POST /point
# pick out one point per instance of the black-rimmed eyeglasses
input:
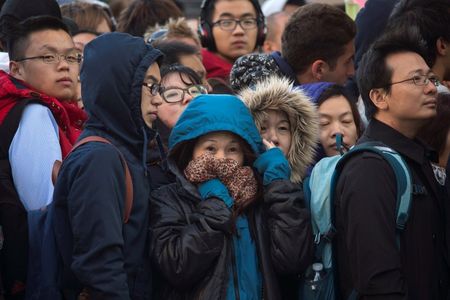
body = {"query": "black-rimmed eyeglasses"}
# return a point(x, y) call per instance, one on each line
point(420, 80)
point(73, 58)
point(153, 87)
point(230, 24)
point(175, 94)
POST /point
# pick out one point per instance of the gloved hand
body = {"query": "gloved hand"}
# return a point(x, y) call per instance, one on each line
point(272, 165)
point(215, 188)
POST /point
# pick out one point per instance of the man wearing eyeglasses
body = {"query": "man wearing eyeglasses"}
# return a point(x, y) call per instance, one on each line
point(228, 30)
point(38, 124)
point(375, 259)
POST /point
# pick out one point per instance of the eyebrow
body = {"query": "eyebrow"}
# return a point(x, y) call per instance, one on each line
point(226, 14)
point(420, 71)
point(322, 115)
point(51, 48)
point(152, 78)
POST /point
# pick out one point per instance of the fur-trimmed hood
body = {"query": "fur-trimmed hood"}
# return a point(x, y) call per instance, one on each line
point(275, 93)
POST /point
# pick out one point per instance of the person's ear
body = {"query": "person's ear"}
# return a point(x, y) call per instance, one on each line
point(15, 69)
point(319, 68)
point(267, 46)
point(378, 97)
point(442, 46)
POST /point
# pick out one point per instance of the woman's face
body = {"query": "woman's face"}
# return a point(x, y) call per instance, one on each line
point(169, 113)
point(220, 144)
point(277, 129)
point(336, 117)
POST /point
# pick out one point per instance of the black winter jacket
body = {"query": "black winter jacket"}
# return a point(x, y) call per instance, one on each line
point(192, 243)
point(368, 256)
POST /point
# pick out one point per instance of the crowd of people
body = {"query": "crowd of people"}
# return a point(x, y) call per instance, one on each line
point(283, 151)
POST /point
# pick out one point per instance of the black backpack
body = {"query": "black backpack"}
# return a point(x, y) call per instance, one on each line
point(13, 216)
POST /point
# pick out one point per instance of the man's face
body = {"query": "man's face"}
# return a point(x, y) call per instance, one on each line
point(58, 79)
point(150, 103)
point(407, 101)
point(235, 43)
point(344, 68)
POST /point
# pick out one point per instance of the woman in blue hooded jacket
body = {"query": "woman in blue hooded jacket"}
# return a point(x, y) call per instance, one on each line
point(233, 224)
point(103, 255)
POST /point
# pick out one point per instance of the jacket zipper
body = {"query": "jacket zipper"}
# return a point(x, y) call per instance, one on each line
point(235, 277)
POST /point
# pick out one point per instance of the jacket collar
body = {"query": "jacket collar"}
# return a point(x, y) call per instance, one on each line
point(413, 149)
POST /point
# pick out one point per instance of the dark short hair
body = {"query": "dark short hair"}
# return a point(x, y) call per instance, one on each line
point(18, 41)
point(181, 70)
point(336, 90)
point(316, 31)
point(431, 17)
point(373, 72)
point(142, 14)
point(173, 50)
point(435, 133)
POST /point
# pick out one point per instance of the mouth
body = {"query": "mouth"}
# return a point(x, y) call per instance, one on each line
point(65, 80)
point(430, 102)
point(239, 44)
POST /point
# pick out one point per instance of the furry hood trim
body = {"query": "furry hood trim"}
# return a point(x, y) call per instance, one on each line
point(275, 93)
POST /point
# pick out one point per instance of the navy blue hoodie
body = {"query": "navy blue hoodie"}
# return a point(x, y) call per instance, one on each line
point(105, 255)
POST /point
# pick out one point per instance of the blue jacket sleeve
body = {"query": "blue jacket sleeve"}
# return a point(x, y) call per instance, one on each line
point(95, 209)
point(272, 165)
point(215, 188)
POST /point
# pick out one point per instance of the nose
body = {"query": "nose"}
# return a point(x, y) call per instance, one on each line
point(430, 88)
point(336, 129)
point(156, 100)
point(238, 29)
point(219, 154)
point(62, 64)
point(187, 98)
point(272, 136)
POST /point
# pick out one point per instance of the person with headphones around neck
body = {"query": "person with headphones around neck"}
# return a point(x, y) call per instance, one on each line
point(228, 30)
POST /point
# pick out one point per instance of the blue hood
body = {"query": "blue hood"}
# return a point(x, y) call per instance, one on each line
point(208, 113)
point(112, 74)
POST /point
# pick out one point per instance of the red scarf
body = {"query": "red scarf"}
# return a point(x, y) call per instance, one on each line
point(68, 116)
point(216, 67)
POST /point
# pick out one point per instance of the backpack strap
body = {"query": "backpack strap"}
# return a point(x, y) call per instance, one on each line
point(10, 124)
point(401, 171)
point(128, 181)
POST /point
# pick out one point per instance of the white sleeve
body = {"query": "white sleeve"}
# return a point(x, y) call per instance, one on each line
point(32, 153)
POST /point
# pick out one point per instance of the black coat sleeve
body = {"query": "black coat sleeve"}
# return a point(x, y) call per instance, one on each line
point(289, 222)
point(186, 238)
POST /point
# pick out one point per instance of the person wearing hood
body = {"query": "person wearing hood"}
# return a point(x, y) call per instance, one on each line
point(224, 230)
point(286, 117)
point(107, 255)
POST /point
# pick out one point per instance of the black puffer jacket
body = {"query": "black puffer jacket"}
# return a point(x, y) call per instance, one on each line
point(193, 252)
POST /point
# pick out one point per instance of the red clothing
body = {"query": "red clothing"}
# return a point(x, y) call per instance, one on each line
point(216, 66)
point(68, 116)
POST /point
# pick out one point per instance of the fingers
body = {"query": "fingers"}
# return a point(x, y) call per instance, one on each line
point(268, 144)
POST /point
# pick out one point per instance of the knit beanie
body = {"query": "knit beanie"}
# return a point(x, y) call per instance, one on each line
point(251, 68)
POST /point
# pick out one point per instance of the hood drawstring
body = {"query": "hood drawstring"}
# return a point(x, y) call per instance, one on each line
point(162, 153)
point(144, 154)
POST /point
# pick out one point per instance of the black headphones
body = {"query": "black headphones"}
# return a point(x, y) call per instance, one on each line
point(205, 28)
